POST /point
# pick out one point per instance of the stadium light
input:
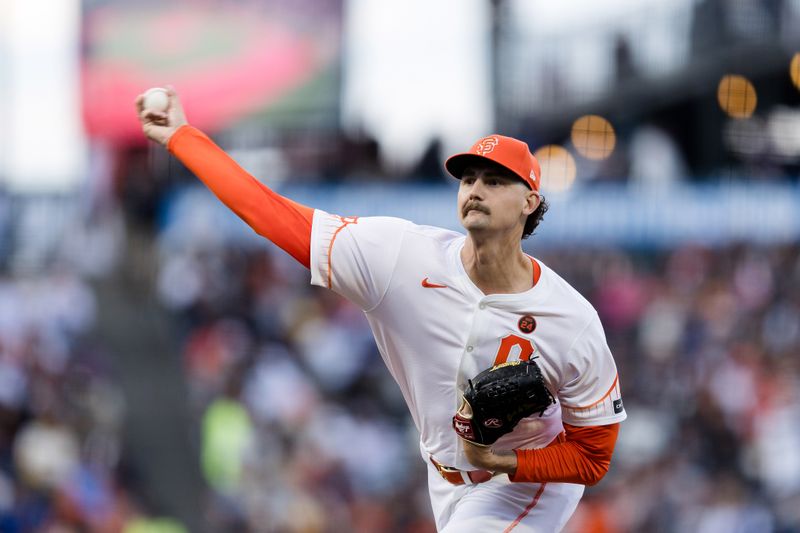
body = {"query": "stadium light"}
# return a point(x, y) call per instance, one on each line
point(558, 168)
point(593, 137)
point(737, 96)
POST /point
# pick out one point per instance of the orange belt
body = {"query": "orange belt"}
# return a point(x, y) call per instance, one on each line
point(461, 477)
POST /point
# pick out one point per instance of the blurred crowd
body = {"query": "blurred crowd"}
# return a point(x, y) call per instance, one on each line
point(298, 425)
point(706, 342)
point(63, 465)
point(300, 428)
point(60, 413)
point(303, 429)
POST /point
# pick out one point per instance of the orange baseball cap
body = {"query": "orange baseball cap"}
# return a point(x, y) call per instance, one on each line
point(511, 154)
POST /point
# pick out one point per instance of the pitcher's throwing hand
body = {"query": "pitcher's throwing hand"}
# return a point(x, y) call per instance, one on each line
point(159, 126)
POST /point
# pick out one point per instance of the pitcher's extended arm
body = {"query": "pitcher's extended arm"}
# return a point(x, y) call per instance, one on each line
point(282, 221)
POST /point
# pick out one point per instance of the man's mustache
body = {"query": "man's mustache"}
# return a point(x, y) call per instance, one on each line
point(470, 206)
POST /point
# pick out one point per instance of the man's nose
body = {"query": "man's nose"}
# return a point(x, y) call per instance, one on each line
point(476, 190)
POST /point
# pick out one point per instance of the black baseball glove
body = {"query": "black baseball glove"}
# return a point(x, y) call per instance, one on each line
point(498, 398)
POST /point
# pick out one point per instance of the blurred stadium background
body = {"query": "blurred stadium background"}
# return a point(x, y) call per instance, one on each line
point(162, 369)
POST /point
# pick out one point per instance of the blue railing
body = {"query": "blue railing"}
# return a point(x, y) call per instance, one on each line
point(594, 216)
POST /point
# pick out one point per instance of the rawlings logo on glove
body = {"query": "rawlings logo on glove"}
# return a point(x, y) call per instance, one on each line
point(498, 398)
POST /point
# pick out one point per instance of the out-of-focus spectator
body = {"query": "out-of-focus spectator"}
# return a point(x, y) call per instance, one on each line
point(227, 432)
point(154, 525)
point(655, 159)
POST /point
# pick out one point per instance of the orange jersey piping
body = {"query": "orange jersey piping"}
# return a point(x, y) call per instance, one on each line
point(606, 395)
point(527, 509)
point(345, 222)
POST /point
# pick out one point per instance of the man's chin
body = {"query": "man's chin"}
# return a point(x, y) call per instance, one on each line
point(474, 223)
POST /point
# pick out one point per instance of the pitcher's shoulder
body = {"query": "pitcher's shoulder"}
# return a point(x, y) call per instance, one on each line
point(567, 294)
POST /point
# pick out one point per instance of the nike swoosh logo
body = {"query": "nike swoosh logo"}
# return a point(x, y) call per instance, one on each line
point(428, 285)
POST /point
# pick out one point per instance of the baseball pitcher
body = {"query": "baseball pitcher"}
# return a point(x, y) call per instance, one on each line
point(504, 366)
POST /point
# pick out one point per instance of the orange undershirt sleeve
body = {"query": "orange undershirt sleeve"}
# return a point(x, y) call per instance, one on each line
point(582, 458)
point(282, 221)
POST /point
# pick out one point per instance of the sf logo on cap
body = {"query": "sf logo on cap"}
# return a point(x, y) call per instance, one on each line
point(486, 145)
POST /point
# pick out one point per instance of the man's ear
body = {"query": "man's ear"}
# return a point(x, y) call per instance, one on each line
point(532, 201)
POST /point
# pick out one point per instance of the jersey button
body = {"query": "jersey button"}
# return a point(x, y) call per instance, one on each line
point(482, 306)
point(469, 348)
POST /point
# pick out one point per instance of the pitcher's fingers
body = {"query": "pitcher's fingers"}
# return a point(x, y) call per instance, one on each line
point(150, 114)
point(172, 98)
point(139, 104)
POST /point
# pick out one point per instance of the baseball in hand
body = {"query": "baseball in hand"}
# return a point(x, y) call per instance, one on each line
point(156, 99)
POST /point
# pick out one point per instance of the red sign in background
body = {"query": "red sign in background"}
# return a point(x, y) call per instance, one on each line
point(225, 64)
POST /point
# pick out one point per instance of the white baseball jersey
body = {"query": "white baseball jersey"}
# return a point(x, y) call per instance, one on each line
point(435, 329)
